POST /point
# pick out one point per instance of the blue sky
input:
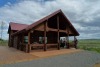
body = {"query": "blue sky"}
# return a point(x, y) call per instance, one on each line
point(83, 14)
point(4, 2)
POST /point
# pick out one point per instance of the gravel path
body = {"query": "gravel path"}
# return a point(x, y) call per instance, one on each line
point(79, 59)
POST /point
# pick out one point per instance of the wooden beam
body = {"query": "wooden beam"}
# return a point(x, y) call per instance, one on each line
point(51, 29)
point(58, 32)
point(45, 46)
point(29, 47)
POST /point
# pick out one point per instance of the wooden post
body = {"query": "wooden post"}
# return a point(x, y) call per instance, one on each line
point(58, 32)
point(74, 38)
point(45, 46)
point(68, 37)
point(29, 47)
point(75, 42)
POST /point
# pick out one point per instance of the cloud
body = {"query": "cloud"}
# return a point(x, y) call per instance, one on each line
point(84, 14)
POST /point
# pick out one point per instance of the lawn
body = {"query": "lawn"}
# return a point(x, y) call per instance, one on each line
point(3, 42)
point(90, 44)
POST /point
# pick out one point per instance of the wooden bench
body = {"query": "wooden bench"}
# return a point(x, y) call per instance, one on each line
point(52, 45)
point(37, 45)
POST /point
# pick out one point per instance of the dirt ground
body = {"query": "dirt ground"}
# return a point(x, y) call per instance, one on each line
point(12, 55)
point(54, 52)
point(97, 65)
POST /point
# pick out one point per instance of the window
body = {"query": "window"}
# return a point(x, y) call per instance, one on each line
point(25, 39)
point(41, 40)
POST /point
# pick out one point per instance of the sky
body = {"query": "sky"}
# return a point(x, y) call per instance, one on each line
point(83, 14)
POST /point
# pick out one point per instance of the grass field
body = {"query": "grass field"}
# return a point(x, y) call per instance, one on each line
point(86, 44)
point(90, 44)
point(3, 42)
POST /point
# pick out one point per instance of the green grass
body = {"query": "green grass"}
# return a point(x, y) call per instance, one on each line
point(3, 42)
point(90, 44)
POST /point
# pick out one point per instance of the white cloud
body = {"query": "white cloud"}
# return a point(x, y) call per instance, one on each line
point(79, 12)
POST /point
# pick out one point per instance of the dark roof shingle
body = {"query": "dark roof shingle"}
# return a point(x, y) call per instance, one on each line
point(17, 26)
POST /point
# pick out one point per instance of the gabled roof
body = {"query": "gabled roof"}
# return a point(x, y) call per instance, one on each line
point(16, 26)
point(42, 20)
point(33, 25)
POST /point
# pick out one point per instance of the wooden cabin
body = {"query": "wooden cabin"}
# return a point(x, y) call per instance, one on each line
point(14, 27)
point(42, 34)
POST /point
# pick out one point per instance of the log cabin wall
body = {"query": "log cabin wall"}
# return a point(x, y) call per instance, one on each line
point(15, 43)
point(10, 42)
point(35, 36)
point(18, 41)
point(10, 38)
point(31, 38)
point(40, 27)
point(51, 37)
point(37, 33)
